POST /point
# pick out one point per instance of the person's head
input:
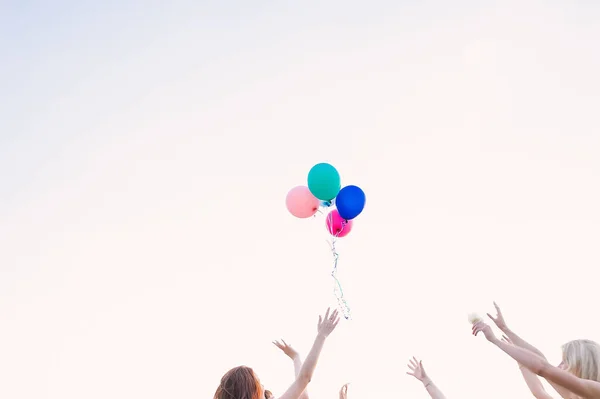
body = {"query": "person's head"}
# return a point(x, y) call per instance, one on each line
point(240, 383)
point(581, 358)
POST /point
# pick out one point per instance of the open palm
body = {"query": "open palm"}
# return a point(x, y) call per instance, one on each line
point(286, 348)
point(499, 319)
point(416, 369)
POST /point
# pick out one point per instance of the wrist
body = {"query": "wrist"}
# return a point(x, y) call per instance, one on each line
point(321, 336)
point(427, 382)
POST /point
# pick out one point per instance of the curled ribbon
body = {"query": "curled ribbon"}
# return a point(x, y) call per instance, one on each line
point(337, 289)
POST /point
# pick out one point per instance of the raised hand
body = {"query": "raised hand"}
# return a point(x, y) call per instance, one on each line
point(481, 326)
point(417, 370)
point(287, 349)
point(499, 319)
point(344, 391)
point(328, 323)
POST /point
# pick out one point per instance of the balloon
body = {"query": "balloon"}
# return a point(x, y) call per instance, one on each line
point(350, 202)
point(336, 225)
point(301, 203)
point(324, 181)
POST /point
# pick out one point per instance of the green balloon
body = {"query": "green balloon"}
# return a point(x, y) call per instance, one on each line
point(324, 181)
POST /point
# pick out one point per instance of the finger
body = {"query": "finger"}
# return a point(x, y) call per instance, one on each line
point(411, 367)
point(421, 364)
point(497, 307)
point(326, 314)
point(334, 315)
point(490, 316)
point(320, 321)
point(285, 343)
point(410, 374)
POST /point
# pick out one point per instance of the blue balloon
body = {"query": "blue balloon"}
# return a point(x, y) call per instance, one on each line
point(350, 202)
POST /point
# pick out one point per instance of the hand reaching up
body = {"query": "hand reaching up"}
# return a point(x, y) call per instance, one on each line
point(344, 391)
point(499, 319)
point(417, 370)
point(328, 323)
point(287, 349)
point(481, 326)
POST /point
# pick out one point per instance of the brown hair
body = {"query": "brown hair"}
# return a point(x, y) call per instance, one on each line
point(268, 394)
point(239, 383)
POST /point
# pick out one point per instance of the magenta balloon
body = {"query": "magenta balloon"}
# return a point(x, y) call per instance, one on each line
point(301, 203)
point(336, 225)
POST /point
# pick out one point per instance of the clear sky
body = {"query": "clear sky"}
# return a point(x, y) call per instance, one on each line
point(146, 148)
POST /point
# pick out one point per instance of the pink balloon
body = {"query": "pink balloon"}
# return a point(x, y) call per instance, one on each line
point(301, 203)
point(336, 225)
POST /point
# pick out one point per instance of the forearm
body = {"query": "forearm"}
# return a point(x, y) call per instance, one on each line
point(518, 341)
point(568, 382)
point(534, 384)
point(433, 390)
point(523, 356)
point(297, 365)
point(297, 368)
point(308, 367)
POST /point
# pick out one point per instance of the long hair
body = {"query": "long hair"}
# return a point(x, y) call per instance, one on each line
point(582, 358)
point(239, 383)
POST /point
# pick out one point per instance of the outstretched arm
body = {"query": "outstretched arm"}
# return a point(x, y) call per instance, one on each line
point(520, 342)
point(534, 384)
point(516, 340)
point(533, 381)
point(587, 389)
point(296, 358)
point(324, 328)
point(417, 371)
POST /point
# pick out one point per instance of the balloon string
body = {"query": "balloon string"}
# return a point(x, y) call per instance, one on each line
point(337, 289)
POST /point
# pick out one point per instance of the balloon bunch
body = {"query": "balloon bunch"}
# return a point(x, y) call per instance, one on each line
point(324, 190)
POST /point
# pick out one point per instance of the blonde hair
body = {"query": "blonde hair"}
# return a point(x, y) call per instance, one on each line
point(582, 358)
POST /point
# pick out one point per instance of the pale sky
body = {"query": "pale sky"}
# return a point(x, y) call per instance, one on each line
point(146, 148)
